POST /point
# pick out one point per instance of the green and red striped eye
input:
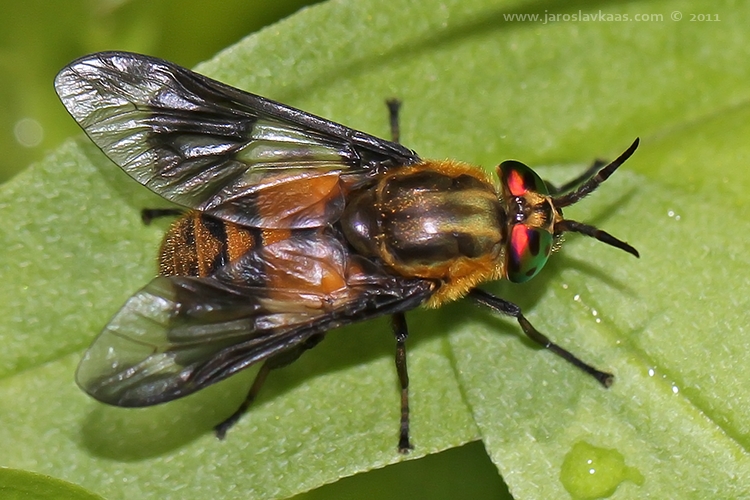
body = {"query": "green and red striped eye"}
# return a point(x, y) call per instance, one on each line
point(527, 252)
point(517, 179)
point(529, 247)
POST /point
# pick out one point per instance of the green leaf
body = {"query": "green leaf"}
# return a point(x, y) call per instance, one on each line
point(481, 88)
point(23, 485)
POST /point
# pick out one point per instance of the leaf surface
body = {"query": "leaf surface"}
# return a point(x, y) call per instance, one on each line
point(482, 88)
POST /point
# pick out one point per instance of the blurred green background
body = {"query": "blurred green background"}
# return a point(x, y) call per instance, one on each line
point(38, 37)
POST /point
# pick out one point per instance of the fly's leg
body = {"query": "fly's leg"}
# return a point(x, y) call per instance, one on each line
point(401, 332)
point(222, 428)
point(398, 320)
point(393, 107)
point(149, 214)
point(510, 309)
point(277, 361)
point(574, 183)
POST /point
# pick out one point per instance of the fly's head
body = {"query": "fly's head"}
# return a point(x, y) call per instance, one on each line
point(535, 219)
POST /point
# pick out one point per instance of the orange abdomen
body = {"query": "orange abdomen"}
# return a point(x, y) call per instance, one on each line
point(197, 244)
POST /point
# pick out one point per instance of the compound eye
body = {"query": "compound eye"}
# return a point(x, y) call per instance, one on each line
point(527, 252)
point(517, 179)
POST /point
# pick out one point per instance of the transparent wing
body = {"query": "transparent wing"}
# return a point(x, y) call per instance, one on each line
point(211, 147)
point(180, 334)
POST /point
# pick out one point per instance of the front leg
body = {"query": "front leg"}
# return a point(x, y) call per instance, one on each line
point(510, 309)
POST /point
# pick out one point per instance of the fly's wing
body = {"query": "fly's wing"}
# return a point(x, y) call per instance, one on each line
point(211, 147)
point(180, 334)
